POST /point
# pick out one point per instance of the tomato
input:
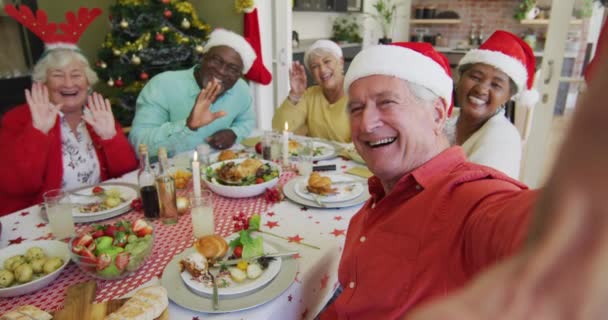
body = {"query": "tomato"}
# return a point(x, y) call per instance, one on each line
point(238, 251)
point(103, 261)
point(110, 231)
point(122, 260)
point(97, 234)
point(259, 180)
point(98, 190)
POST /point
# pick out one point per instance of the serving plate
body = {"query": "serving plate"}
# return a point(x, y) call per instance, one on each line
point(290, 192)
point(52, 248)
point(344, 191)
point(233, 191)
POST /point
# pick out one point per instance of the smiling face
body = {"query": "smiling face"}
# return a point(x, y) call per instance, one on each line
point(68, 86)
point(222, 63)
point(393, 130)
point(481, 90)
point(327, 70)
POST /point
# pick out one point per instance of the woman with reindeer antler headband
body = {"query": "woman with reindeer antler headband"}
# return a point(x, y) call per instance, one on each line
point(65, 136)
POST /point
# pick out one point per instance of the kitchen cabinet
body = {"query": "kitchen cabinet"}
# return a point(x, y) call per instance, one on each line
point(320, 5)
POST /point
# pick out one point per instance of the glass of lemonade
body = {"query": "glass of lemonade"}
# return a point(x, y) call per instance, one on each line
point(305, 156)
point(201, 209)
point(59, 213)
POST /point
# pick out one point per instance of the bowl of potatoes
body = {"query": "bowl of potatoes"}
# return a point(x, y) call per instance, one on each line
point(31, 266)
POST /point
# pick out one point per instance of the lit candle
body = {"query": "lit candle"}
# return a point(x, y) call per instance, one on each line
point(286, 144)
point(196, 175)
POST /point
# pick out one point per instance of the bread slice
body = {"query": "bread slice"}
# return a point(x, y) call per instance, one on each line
point(146, 304)
point(26, 312)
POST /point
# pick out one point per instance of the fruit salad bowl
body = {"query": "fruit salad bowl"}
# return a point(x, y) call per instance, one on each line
point(112, 251)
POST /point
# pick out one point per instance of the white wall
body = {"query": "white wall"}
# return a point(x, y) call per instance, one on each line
point(314, 25)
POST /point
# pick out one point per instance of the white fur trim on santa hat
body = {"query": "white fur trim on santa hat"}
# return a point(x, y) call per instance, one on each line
point(326, 45)
point(527, 98)
point(223, 37)
point(61, 45)
point(514, 68)
point(402, 63)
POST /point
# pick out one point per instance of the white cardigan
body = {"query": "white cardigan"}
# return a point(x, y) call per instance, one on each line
point(497, 144)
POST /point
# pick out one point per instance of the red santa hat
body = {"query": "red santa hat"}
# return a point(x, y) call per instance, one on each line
point(72, 28)
point(223, 37)
point(510, 54)
point(416, 62)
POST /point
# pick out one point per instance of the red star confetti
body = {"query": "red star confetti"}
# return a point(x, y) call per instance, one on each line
point(343, 167)
point(297, 256)
point(303, 209)
point(270, 214)
point(338, 218)
point(16, 222)
point(24, 213)
point(324, 281)
point(338, 232)
point(16, 241)
point(296, 239)
point(296, 279)
point(317, 222)
point(41, 225)
point(195, 318)
point(305, 314)
point(289, 298)
point(309, 217)
point(271, 224)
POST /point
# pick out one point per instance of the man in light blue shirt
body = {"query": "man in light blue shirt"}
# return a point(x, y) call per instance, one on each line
point(207, 103)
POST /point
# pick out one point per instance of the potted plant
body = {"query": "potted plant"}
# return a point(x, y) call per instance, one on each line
point(524, 7)
point(385, 16)
point(346, 29)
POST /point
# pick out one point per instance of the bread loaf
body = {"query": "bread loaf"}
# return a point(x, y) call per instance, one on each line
point(146, 304)
point(212, 247)
point(26, 312)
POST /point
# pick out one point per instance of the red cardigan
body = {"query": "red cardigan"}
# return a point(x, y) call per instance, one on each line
point(31, 161)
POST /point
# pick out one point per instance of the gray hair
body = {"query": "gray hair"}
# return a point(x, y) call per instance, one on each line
point(59, 58)
point(318, 52)
point(465, 67)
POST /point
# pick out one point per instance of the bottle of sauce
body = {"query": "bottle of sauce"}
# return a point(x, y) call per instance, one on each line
point(166, 190)
point(146, 179)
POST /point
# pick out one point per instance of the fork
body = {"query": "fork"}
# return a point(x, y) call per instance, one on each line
point(215, 297)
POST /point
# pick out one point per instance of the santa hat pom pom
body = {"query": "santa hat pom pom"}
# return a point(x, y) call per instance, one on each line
point(528, 98)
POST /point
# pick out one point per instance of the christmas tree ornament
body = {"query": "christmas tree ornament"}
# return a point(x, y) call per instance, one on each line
point(164, 29)
point(185, 24)
point(116, 52)
point(245, 6)
point(168, 14)
point(135, 59)
point(124, 24)
point(144, 76)
point(159, 37)
point(111, 82)
point(251, 32)
point(165, 1)
point(103, 65)
point(119, 83)
point(199, 49)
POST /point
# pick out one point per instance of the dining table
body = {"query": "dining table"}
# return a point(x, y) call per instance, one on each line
point(298, 226)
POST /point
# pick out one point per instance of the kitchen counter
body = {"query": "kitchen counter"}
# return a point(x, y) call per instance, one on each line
point(538, 54)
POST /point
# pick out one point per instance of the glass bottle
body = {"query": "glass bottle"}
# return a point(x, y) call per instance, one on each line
point(146, 179)
point(480, 35)
point(166, 190)
point(472, 37)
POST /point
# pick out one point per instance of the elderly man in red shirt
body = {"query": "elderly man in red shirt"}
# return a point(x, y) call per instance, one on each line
point(434, 220)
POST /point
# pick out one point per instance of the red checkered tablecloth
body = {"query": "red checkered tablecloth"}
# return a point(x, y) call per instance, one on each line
point(169, 240)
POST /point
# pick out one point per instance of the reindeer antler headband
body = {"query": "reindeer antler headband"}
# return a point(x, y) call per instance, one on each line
point(72, 29)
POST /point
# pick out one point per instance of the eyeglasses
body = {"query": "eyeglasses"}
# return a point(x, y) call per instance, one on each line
point(217, 62)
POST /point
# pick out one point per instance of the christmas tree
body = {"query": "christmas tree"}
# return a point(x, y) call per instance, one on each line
point(147, 37)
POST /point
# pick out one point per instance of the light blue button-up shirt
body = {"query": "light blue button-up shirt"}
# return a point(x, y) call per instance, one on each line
point(165, 103)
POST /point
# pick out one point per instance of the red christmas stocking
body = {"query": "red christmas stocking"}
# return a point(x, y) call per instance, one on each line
point(251, 30)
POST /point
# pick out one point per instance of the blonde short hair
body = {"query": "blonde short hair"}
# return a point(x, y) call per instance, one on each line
point(59, 58)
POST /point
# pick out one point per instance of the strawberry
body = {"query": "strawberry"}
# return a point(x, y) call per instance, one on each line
point(83, 240)
point(92, 246)
point(103, 261)
point(98, 190)
point(238, 251)
point(77, 250)
point(87, 256)
point(144, 232)
point(122, 260)
point(97, 234)
point(110, 231)
point(141, 228)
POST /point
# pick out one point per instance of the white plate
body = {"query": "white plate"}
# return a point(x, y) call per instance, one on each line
point(240, 191)
point(325, 150)
point(181, 295)
point(127, 191)
point(290, 193)
point(237, 289)
point(344, 192)
point(52, 248)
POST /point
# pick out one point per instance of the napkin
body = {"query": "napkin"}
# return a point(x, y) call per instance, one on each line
point(251, 141)
point(360, 171)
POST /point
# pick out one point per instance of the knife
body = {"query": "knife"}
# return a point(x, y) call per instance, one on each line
point(270, 255)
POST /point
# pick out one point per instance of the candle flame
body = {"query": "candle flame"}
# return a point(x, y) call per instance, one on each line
point(286, 126)
point(195, 156)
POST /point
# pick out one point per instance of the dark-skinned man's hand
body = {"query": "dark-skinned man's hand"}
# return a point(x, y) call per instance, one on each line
point(222, 139)
point(201, 114)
